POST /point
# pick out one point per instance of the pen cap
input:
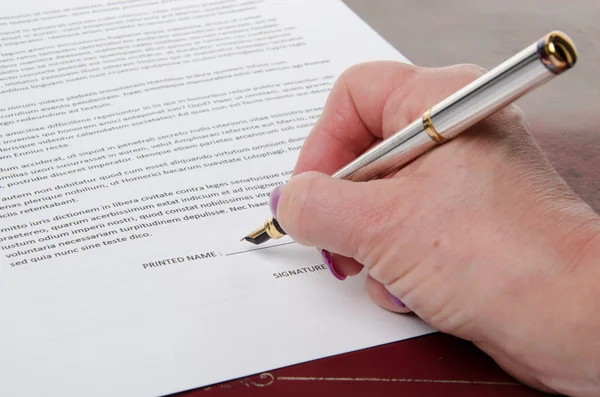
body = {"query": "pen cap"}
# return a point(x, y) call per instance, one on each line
point(532, 67)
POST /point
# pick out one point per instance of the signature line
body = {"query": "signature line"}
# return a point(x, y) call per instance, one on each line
point(257, 249)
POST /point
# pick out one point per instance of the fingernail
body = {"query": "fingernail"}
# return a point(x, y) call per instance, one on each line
point(329, 262)
point(397, 302)
point(274, 199)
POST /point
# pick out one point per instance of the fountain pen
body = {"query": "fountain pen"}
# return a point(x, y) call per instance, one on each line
point(534, 66)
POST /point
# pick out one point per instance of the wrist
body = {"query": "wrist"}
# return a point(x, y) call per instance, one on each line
point(576, 296)
point(546, 332)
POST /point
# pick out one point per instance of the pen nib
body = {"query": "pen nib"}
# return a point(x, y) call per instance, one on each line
point(257, 237)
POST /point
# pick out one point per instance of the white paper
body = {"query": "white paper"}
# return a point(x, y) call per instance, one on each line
point(115, 117)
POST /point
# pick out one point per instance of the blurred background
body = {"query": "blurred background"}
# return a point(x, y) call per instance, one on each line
point(565, 114)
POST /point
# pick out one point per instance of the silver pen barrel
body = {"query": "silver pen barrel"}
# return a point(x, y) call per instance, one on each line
point(535, 65)
point(527, 70)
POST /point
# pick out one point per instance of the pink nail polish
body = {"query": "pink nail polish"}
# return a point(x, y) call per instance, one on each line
point(329, 262)
point(397, 302)
point(274, 200)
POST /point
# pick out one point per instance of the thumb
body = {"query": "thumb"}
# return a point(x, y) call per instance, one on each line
point(343, 217)
point(351, 219)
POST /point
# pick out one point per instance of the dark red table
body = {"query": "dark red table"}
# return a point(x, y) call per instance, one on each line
point(434, 365)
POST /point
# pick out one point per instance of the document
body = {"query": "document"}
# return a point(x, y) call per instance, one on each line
point(139, 141)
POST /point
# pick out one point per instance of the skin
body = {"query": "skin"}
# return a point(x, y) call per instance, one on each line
point(479, 237)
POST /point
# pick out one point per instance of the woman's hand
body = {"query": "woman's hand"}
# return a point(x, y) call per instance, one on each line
point(479, 237)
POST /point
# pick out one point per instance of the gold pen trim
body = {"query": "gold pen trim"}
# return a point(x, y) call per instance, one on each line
point(430, 129)
point(557, 52)
point(272, 230)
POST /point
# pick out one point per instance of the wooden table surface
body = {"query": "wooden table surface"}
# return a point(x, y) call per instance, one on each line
point(565, 116)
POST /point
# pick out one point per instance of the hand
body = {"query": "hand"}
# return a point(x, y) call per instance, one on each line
point(479, 237)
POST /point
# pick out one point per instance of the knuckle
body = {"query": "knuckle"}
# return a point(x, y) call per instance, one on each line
point(510, 113)
point(517, 111)
point(516, 116)
point(352, 72)
point(511, 121)
point(356, 68)
point(367, 69)
point(472, 70)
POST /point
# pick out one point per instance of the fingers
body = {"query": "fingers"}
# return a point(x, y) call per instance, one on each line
point(380, 295)
point(341, 266)
point(351, 118)
point(340, 216)
point(371, 101)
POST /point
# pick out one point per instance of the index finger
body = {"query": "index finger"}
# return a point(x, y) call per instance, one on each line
point(352, 117)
